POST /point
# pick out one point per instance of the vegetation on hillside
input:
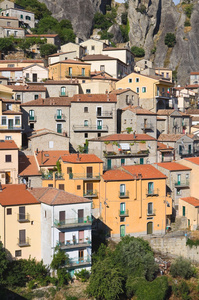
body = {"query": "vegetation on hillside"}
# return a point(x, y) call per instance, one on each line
point(138, 51)
point(170, 40)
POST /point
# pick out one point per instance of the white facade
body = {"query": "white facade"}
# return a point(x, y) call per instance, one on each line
point(25, 17)
point(35, 73)
point(93, 46)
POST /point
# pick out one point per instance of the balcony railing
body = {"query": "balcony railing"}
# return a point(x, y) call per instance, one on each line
point(124, 213)
point(32, 119)
point(90, 193)
point(22, 218)
point(185, 152)
point(77, 74)
point(123, 194)
point(83, 176)
point(151, 212)
point(182, 183)
point(147, 126)
point(129, 153)
point(49, 176)
point(75, 243)
point(24, 242)
point(73, 222)
point(61, 117)
point(154, 192)
point(90, 128)
point(105, 114)
point(79, 261)
point(14, 128)
point(163, 94)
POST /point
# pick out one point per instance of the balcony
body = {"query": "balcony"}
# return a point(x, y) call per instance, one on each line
point(49, 176)
point(90, 128)
point(23, 218)
point(23, 242)
point(105, 114)
point(79, 261)
point(32, 119)
point(182, 184)
point(147, 126)
point(83, 176)
point(123, 154)
point(151, 193)
point(151, 212)
point(11, 128)
point(163, 95)
point(59, 118)
point(122, 195)
point(90, 194)
point(124, 213)
point(77, 74)
point(76, 222)
point(185, 153)
point(71, 244)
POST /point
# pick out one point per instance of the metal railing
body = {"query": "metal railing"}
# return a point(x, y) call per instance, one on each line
point(78, 261)
point(49, 176)
point(32, 119)
point(61, 117)
point(154, 192)
point(90, 193)
point(124, 213)
point(74, 221)
point(123, 194)
point(74, 243)
point(23, 218)
point(151, 212)
point(84, 176)
point(11, 127)
point(90, 128)
point(105, 114)
point(182, 183)
point(127, 153)
point(24, 242)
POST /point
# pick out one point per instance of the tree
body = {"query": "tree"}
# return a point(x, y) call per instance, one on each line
point(3, 262)
point(47, 49)
point(59, 262)
point(138, 51)
point(39, 9)
point(47, 25)
point(182, 267)
point(6, 44)
point(170, 40)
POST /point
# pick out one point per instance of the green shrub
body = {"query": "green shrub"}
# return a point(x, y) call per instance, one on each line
point(32, 285)
point(182, 267)
point(138, 51)
point(170, 40)
point(188, 10)
point(181, 290)
point(141, 9)
point(71, 298)
point(52, 291)
point(124, 18)
point(187, 23)
point(106, 35)
point(153, 51)
point(83, 275)
point(192, 243)
point(47, 49)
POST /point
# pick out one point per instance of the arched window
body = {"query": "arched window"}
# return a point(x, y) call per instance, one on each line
point(63, 91)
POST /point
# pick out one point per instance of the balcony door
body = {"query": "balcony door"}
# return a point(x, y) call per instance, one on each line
point(149, 227)
point(99, 111)
point(122, 208)
point(81, 255)
point(122, 230)
point(122, 189)
point(31, 115)
point(59, 113)
point(99, 124)
point(89, 171)
point(89, 188)
point(179, 179)
point(62, 237)
point(10, 123)
point(150, 188)
point(22, 236)
point(22, 213)
point(62, 217)
point(80, 215)
point(81, 236)
point(34, 77)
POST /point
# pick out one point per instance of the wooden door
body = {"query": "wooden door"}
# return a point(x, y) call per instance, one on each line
point(149, 227)
point(81, 255)
point(62, 238)
point(89, 172)
point(62, 217)
point(80, 215)
point(89, 188)
point(81, 236)
point(34, 77)
point(22, 213)
point(122, 230)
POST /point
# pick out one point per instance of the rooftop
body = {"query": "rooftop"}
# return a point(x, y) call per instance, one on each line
point(28, 166)
point(93, 57)
point(81, 158)
point(173, 137)
point(138, 110)
point(126, 137)
point(191, 200)
point(121, 91)
point(27, 88)
point(49, 158)
point(8, 145)
point(161, 146)
point(71, 61)
point(194, 160)
point(173, 166)
point(51, 101)
point(17, 61)
point(50, 35)
point(168, 112)
point(94, 98)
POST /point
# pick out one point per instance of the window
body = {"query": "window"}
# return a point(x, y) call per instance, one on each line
point(9, 211)
point(167, 75)
point(127, 100)
point(183, 211)
point(124, 121)
point(83, 81)
point(45, 214)
point(3, 121)
point(50, 144)
point(137, 90)
point(144, 89)
point(178, 192)
point(21, 16)
point(8, 32)
point(61, 187)
point(150, 208)
point(85, 123)
point(8, 158)
point(22, 214)
point(187, 176)
point(99, 134)
point(86, 135)
point(15, 33)
point(31, 115)
point(59, 114)
point(149, 227)
point(99, 111)
point(50, 185)
point(18, 97)
point(83, 71)
point(137, 79)
point(17, 253)
point(102, 67)
point(22, 236)
point(180, 149)
point(32, 126)
point(78, 187)
point(122, 230)
point(122, 219)
point(8, 137)
point(86, 109)
point(70, 70)
point(36, 97)
point(122, 208)
point(99, 124)
point(63, 91)
point(17, 120)
point(27, 75)
point(150, 188)
point(92, 47)
point(178, 179)
point(59, 128)
point(8, 24)
point(28, 18)
point(130, 80)
point(88, 91)
point(8, 106)
point(122, 189)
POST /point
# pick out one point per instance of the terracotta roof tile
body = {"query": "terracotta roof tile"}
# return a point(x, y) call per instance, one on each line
point(11, 112)
point(194, 111)
point(121, 91)
point(64, 82)
point(52, 101)
point(94, 98)
point(16, 28)
point(117, 175)
point(7, 61)
point(147, 171)
point(71, 61)
point(173, 166)
point(192, 86)
point(44, 131)
point(168, 112)
point(7, 17)
point(172, 137)
point(191, 200)
point(50, 157)
point(194, 160)
point(28, 166)
point(50, 35)
point(161, 146)
point(28, 88)
point(83, 158)
point(16, 194)
point(139, 110)
point(94, 57)
point(7, 145)
point(52, 196)
point(11, 69)
point(126, 137)
point(194, 73)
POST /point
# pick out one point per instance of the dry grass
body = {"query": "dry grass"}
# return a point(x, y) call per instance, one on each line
point(167, 58)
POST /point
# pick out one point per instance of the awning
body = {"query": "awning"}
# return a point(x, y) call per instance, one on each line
point(125, 146)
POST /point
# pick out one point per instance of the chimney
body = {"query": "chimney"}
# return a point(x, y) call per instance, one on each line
point(42, 101)
point(134, 135)
point(42, 157)
point(78, 158)
point(108, 99)
point(1, 187)
point(106, 91)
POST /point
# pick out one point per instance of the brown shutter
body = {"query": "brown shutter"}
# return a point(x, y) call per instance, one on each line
point(62, 216)
point(22, 213)
point(89, 172)
point(80, 215)
point(22, 236)
point(62, 237)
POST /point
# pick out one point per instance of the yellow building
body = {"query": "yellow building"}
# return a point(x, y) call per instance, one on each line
point(9, 162)
point(20, 225)
point(154, 91)
point(189, 208)
point(133, 201)
point(80, 175)
point(21, 63)
point(69, 69)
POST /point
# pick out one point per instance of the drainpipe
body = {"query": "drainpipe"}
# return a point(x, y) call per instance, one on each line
point(135, 188)
point(4, 228)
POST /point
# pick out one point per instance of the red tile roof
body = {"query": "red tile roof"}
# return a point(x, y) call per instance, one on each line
point(194, 160)
point(45, 131)
point(191, 200)
point(173, 166)
point(11, 112)
point(173, 137)
point(28, 88)
point(7, 17)
point(94, 98)
point(194, 73)
point(51, 101)
point(11, 69)
point(71, 61)
point(28, 166)
point(120, 91)
point(139, 110)
point(16, 28)
point(62, 82)
point(117, 175)
point(126, 137)
point(96, 57)
point(162, 147)
point(83, 158)
point(8, 145)
point(50, 157)
point(168, 112)
point(42, 35)
point(52, 196)
point(16, 194)
point(7, 61)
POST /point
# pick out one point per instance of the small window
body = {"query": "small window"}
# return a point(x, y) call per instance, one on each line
point(45, 214)
point(8, 137)
point(50, 185)
point(124, 121)
point(3, 121)
point(8, 158)
point(122, 219)
point(17, 120)
point(8, 106)
point(15, 33)
point(92, 47)
point(59, 128)
point(130, 80)
point(9, 211)
point(36, 97)
point(8, 24)
point(137, 90)
point(70, 71)
point(178, 192)
point(83, 71)
point(99, 134)
point(167, 75)
point(63, 91)
point(102, 68)
point(86, 109)
point(51, 144)
point(32, 125)
point(17, 253)
point(88, 91)
point(21, 16)
point(144, 89)
point(18, 97)
point(61, 187)
point(85, 122)
point(83, 81)
point(86, 135)
point(137, 79)
point(78, 187)
point(27, 75)
point(69, 170)
point(127, 100)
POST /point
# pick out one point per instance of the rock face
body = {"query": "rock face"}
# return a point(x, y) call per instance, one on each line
point(79, 12)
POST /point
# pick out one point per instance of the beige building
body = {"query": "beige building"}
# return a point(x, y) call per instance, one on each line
point(59, 88)
point(185, 98)
point(123, 54)
point(20, 225)
point(143, 64)
point(13, 63)
point(189, 208)
point(164, 73)
point(61, 56)
point(29, 172)
point(50, 39)
point(25, 93)
point(26, 18)
point(165, 153)
point(77, 49)
point(93, 46)
point(35, 73)
point(9, 162)
point(9, 21)
point(8, 31)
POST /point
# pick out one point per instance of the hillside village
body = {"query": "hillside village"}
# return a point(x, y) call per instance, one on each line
point(92, 141)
